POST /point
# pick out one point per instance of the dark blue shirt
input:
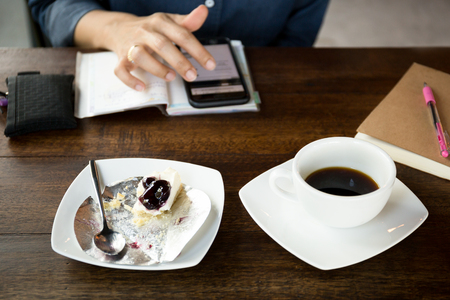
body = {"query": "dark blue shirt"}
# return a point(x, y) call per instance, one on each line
point(254, 22)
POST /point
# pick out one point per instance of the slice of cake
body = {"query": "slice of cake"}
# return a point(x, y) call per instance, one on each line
point(157, 192)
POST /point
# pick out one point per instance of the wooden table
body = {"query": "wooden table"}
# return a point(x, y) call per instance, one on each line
point(306, 94)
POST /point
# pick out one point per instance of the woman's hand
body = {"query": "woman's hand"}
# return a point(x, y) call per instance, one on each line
point(134, 39)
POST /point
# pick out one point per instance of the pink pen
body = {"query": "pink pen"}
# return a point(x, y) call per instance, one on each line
point(429, 99)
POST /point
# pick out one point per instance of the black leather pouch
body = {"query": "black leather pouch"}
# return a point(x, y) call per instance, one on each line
point(39, 102)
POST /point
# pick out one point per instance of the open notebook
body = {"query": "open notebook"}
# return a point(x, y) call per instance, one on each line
point(98, 91)
point(402, 124)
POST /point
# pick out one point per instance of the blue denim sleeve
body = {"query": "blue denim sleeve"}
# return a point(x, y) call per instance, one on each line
point(58, 18)
point(303, 25)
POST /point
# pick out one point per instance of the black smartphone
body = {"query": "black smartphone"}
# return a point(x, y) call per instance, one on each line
point(225, 85)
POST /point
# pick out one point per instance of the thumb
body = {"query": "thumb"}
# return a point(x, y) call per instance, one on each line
point(194, 20)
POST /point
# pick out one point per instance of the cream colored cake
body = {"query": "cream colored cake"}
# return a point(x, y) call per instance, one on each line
point(114, 203)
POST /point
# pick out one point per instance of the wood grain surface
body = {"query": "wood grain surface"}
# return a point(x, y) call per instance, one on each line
point(306, 94)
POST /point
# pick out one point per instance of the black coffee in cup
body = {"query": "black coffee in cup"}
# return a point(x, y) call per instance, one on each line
point(341, 181)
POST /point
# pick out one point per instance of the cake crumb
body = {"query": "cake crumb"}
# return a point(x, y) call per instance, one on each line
point(113, 204)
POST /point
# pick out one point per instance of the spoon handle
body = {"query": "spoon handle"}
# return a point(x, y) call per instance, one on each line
point(95, 180)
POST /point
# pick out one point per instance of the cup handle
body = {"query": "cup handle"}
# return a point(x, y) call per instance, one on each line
point(282, 173)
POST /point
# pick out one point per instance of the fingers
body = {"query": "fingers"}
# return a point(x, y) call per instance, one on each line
point(146, 61)
point(194, 20)
point(141, 57)
point(172, 55)
point(158, 33)
point(122, 72)
point(163, 46)
point(169, 32)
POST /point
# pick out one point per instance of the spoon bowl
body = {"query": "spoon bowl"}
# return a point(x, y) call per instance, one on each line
point(108, 240)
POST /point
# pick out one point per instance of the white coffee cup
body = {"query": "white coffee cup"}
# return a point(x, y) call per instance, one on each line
point(333, 210)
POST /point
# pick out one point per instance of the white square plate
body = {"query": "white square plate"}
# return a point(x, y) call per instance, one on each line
point(205, 179)
point(324, 247)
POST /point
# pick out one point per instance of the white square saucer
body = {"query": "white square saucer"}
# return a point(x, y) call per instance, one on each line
point(325, 247)
point(208, 180)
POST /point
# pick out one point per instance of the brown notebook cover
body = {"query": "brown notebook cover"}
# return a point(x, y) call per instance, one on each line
point(404, 120)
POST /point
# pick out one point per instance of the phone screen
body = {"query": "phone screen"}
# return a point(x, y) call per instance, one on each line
point(222, 86)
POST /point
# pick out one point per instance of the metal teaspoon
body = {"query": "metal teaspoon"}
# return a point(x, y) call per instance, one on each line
point(108, 241)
